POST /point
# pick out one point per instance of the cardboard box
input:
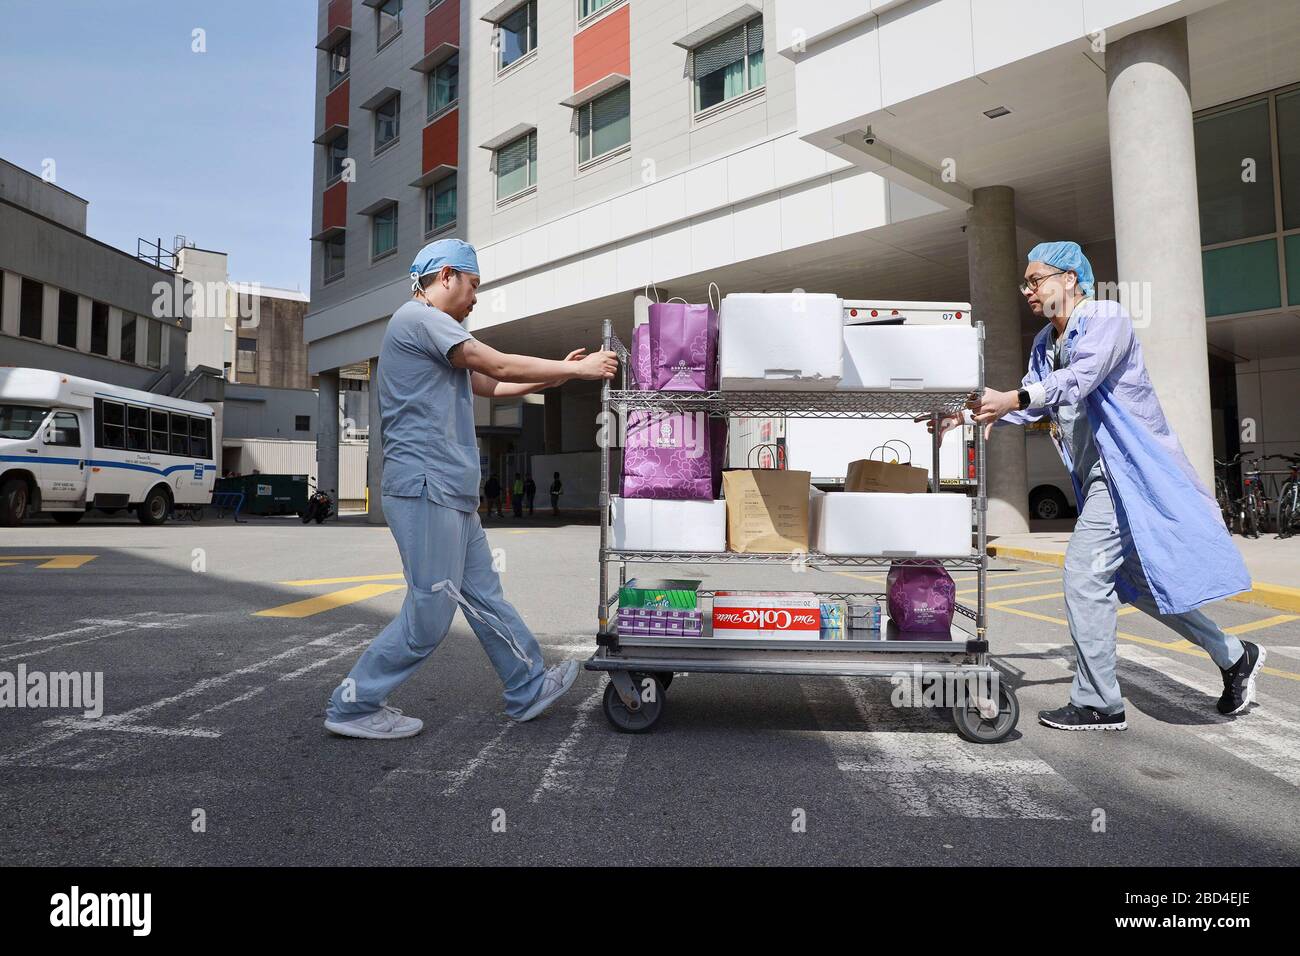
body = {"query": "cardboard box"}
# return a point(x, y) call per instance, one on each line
point(648, 524)
point(911, 357)
point(788, 615)
point(871, 474)
point(781, 340)
point(649, 592)
point(893, 525)
point(767, 510)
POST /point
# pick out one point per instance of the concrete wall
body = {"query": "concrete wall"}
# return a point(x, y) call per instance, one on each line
point(256, 411)
point(277, 326)
point(32, 192)
point(580, 473)
point(211, 337)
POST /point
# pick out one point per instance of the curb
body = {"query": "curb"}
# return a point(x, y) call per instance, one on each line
point(1277, 596)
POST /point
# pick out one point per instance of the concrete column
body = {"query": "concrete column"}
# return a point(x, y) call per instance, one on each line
point(995, 273)
point(554, 403)
point(1157, 226)
point(375, 466)
point(327, 433)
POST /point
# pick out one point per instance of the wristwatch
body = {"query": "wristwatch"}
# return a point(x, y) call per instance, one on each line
point(1023, 397)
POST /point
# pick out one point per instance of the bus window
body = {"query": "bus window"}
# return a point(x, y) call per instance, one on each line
point(66, 430)
point(137, 428)
point(180, 434)
point(160, 442)
point(199, 438)
point(20, 421)
point(114, 430)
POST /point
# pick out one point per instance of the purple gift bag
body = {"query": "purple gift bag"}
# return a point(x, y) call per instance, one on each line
point(668, 456)
point(684, 346)
point(921, 598)
point(641, 374)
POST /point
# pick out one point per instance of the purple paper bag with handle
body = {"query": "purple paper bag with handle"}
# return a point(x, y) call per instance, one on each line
point(921, 599)
point(668, 456)
point(683, 346)
point(641, 374)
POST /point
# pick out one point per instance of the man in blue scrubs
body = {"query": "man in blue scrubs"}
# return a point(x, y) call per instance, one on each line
point(429, 370)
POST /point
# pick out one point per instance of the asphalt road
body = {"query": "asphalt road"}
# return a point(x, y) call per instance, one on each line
point(210, 706)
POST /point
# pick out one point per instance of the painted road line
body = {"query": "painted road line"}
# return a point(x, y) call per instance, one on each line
point(1004, 587)
point(327, 602)
point(1126, 609)
point(1259, 625)
point(1180, 645)
point(52, 562)
point(352, 580)
point(590, 771)
point(96, 629)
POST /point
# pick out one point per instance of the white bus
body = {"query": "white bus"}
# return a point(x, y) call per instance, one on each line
point(68, 445)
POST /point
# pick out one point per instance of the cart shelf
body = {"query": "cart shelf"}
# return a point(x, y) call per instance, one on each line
point(829, 403)
point(813, 559)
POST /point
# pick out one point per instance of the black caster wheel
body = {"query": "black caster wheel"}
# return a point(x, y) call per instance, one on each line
point(979, 729)
point(665, 678)
point(641, 720)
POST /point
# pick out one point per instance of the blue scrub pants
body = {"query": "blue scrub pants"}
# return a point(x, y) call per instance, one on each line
point(447, 564)
point(1093, 558)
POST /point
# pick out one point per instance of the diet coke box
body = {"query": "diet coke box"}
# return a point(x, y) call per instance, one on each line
point(791, 615)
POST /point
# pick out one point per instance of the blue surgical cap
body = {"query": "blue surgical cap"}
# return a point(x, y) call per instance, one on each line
point(1067, 256)
point(456, 253)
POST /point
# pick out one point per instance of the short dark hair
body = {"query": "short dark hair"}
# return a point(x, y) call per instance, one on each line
point(429, 278)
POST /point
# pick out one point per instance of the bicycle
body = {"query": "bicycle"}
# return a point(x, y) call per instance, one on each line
point(1227, 504)
point(1288, 499)
point(1254, 500)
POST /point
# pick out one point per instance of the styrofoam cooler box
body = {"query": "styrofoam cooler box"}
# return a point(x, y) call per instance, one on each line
point(650, 524)
point(883, 525)
point(911, 357)
point(781, 340)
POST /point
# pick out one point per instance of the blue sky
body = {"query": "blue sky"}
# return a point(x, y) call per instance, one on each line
point(162, 140)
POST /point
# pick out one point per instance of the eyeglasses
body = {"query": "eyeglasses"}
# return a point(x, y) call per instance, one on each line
point(1031, 284)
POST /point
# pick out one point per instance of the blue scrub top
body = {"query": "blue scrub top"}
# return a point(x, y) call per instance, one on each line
point(427, 410)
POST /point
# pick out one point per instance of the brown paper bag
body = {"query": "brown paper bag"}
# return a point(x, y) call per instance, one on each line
point(869, 474)
point(767, 510)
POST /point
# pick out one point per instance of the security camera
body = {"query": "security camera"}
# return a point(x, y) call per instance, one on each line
point(869, 137)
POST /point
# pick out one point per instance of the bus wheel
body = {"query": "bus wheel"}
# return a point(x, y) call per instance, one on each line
point(154, 508)
point(67, 517)
point(13, 502)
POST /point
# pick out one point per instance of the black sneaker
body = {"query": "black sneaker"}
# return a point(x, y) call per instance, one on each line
point(1071, 717)
point(1239, 680)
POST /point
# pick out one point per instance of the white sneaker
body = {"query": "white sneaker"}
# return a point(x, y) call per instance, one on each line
point(557, 679)
point(387, 723)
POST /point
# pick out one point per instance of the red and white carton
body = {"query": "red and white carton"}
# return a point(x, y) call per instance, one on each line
point(789, 615)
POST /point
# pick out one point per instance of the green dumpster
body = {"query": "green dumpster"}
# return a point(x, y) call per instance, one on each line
point(268, 494)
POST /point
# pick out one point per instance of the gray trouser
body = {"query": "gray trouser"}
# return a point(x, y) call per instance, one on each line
point(1093, 559)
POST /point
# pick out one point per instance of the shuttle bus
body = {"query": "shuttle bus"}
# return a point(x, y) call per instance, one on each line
point(68, 445)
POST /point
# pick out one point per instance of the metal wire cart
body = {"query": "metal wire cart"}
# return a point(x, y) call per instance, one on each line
point(641, 668)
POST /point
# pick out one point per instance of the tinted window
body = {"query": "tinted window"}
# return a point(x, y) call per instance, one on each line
point(159, 440)
point(137, 428)
point(180, 434)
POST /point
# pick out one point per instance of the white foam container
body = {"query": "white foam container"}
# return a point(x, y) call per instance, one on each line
point(648, 524)
point(781, 341)
point(885, 525)
point(911, 357)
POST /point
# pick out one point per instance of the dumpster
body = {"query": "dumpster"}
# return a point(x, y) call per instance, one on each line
point(268, 494)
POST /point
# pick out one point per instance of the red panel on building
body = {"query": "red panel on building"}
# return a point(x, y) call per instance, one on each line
point(340, 14)
point(334, 209)
point(601, 49)
point(336, 106)
point(442, 141)
point(442, 25)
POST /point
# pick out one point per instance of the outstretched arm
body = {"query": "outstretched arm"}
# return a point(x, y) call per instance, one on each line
point(529, 370)
point(489, 387)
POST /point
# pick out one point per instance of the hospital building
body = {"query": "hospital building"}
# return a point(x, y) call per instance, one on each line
point(874, 149)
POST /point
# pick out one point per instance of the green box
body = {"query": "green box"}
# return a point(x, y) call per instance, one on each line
point(652, 593)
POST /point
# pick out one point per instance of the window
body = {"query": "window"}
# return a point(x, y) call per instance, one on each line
point(246, 356)
point(1234, 205)
point(728, 66)
point(517, 166)
point(200, 442)
point(605, 124)
point(67, 319)
point(334, 252)
point(31, 305)
point(180, 434)
point(339, 55)
point(390, 21)
point(155, 332)
point(20, 421)
point(384, 232)
point(302, 423)
point(443, 82)
point(440, 204)
point(517, 35)
point(67, 431)
point(335, 153)
point(128, 337)
point(158, 437)
point(387, 123)
point(111, 417)
point(137, 428)
point(1288, 142)
point(99, 328)
point(587, 7)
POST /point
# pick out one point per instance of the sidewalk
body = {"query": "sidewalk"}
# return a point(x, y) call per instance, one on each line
point(1274, 564)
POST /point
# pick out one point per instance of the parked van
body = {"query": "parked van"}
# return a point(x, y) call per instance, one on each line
point(1051, 492)
point(70, 444)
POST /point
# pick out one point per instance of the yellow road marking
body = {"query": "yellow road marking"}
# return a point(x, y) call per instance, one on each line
point(352, 580)
point(1003, 587)
point(1126, 609)
point(52, 561)
point(326, 602)
point(1266, 622)
point(880, 578)
point(1183, 647)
